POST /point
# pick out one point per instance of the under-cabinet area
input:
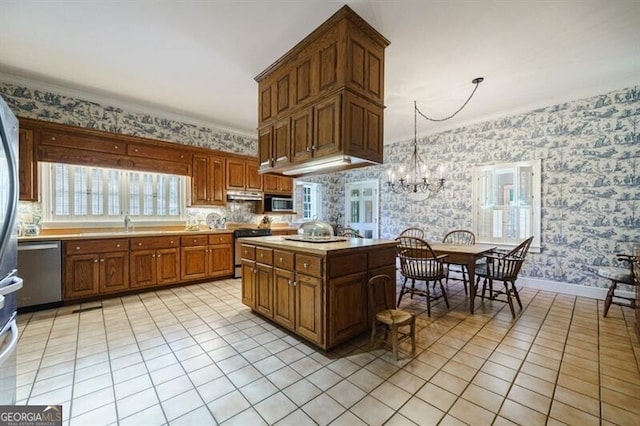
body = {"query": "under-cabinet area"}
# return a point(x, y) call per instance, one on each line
point(318, 291)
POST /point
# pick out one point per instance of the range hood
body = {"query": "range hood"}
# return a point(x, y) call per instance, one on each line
point(339, 162)
point(244, 196)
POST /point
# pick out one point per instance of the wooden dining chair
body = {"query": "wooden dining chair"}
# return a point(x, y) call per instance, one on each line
point(460, 237)
point(385, 317)
point(350, 232)
point(412, 232)
point(418, 262)
point(625, 275)
point(503, 267)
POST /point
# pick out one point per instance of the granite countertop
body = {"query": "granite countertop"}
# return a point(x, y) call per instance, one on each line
point(323, 248)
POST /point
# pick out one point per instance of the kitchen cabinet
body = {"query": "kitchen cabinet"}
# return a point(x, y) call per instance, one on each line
point(243, 175)
point(207, 182)
point(27, 165)
point(286, 290)
point(95, 267)
point(206, 256)
point(275, 145)
point(326, 95)
point(275, 184)
point(154, 261)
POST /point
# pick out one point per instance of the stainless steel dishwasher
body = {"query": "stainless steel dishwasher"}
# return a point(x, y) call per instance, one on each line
point(39, 264)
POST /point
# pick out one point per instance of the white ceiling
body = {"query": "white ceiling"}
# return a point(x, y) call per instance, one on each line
point(197, 59)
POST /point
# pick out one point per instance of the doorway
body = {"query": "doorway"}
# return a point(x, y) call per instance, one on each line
point(361, 207)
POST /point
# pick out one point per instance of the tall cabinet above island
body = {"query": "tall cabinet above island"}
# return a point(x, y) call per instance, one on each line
point(316, 290)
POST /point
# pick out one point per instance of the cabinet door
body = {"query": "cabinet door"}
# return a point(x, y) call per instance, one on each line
point(283, 298)
point(82, 276)
point(264, 289)
point(301, 135)
point(199, 180)
point(308, 307)
point(235, 174)
point(193, 262)
point(281, 142)
point(114, 272)
point(168, 265)
point(270, 184)
point(265, 148)
point(143, 268)
point(253, 179)
point(363, 127)
point(248, 283)
point(220, 260)
point(347, 306)
point(285, 185)
point(27, 166)
point(216, 190)
point(326, 134)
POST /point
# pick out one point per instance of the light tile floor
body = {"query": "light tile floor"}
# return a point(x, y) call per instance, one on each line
point(196, 355)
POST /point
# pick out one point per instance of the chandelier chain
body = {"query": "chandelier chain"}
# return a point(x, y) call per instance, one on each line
point(475, 81)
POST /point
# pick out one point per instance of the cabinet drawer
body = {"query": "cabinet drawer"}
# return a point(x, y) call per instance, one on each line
point(84, 142)
point(283, 259)
point(154, 242)
point(200, 240)
point(220, 239)
point(180, 155)
point(248, 252)
point(311, 265)
point(264, 255)
point(99, 246)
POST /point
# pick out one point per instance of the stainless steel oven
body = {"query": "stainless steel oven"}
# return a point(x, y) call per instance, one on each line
point(244, 233)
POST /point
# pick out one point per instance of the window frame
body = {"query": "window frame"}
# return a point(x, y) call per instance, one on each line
point(314, 200)
point(479, 189)
point(53, 221)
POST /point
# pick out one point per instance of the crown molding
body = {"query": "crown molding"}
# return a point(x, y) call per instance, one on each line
point(104, 100)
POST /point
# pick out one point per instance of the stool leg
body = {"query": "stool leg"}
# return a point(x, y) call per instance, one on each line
point(609, 298)
point(509, 299)
point(413, 334)
point(373, 334)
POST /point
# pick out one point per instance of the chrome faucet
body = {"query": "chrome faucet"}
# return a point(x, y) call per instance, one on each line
point(127, 223)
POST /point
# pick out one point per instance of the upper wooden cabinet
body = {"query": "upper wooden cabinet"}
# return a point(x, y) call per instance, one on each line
point(243, 175)
point(27, 165)
point(274, 184)
point(323, 96)
point(207, 183)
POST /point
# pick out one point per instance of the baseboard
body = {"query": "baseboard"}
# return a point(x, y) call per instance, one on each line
point(572, 289)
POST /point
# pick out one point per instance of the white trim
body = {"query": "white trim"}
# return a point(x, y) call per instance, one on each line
point(127, 106)
point(570, 289)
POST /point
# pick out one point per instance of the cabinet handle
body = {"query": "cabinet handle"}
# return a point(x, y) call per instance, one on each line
point(181, 156)
point(115, 147)
point(118, 245)
point(281, 260)
point(290, 282)
point(305, 265)
point(159, 255)
point(245, 252)
point(102, 260)
point(53, 138)
point(139, 244)
point(295, 284)
point(308, 149)
point(313, 147)
point(194, 241)
point(78, 248)
point(95, 260)
point(261, 255)
point(171, 242)
point(153, 255)
point(135, 150)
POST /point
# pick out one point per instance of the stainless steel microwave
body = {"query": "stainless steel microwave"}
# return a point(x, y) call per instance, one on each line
point(278, 204)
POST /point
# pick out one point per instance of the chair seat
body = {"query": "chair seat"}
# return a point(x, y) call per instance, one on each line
point(393, 316)
point(621, 275)
point(482, 271)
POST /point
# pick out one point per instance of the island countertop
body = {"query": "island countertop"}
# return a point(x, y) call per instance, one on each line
point(319, 248)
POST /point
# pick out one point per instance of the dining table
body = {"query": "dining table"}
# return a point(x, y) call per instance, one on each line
point(467, 255)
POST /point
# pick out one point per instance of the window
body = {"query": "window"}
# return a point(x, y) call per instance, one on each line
point(308, 194)
point(506, 203)
point(79, 193)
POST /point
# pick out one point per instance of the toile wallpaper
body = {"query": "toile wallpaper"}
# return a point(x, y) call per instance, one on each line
point(590, 151)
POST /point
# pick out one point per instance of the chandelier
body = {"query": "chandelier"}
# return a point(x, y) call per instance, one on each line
point(416, 182)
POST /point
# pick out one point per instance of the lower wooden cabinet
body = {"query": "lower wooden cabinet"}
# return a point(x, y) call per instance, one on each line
point(206, 256)
point(154, 261)
point(95, 267)
point(263, 283)
point(248, 283)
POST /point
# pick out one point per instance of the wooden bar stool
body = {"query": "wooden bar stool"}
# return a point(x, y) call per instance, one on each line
point(386, 317)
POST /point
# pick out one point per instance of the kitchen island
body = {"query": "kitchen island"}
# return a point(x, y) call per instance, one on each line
point(316, 290)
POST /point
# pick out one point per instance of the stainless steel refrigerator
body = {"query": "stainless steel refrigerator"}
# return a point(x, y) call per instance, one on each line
point(9, 280)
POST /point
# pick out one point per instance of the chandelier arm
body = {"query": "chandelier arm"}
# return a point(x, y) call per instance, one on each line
point(475, 81)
